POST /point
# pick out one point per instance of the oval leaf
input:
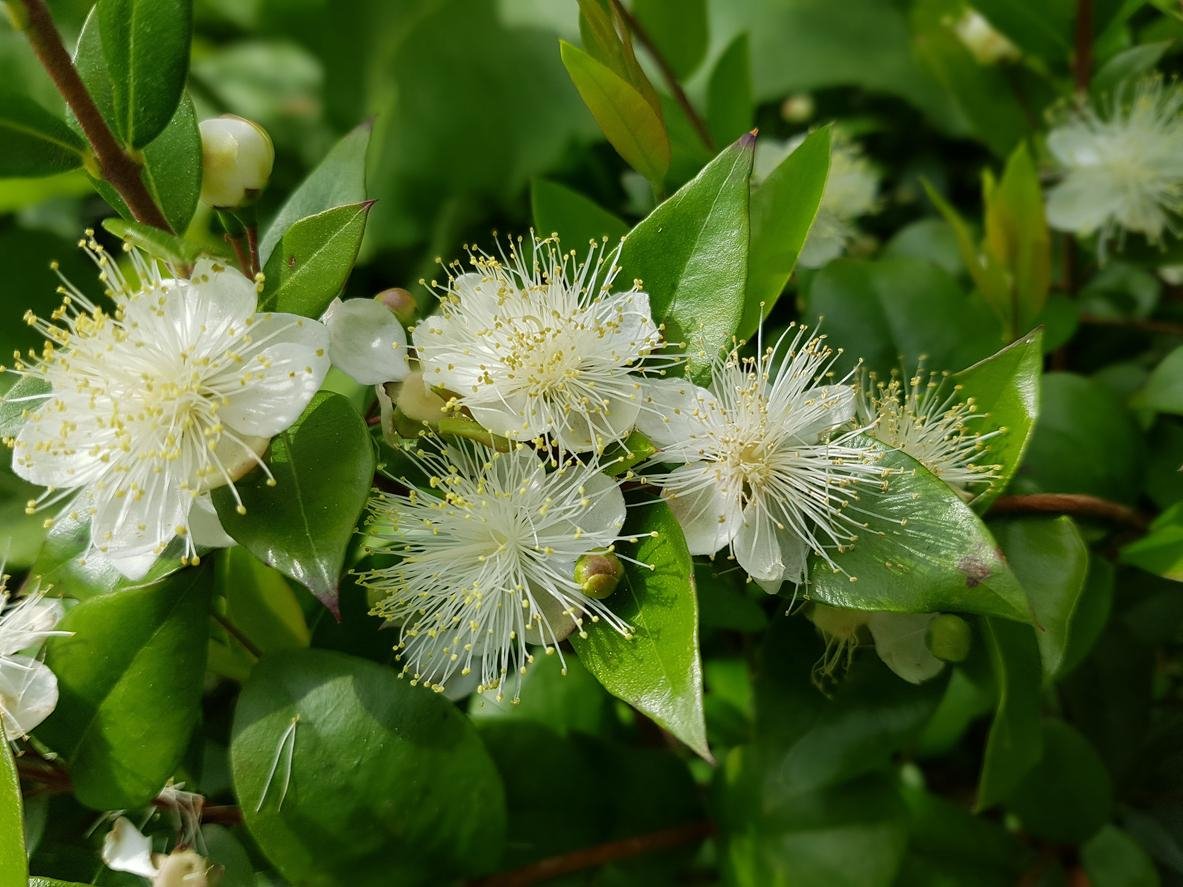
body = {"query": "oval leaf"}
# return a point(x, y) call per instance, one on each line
point(14, 870)
point(658, 670)
point(348, 775)
point(36, 143)
point(323, 466)
point(130, 683)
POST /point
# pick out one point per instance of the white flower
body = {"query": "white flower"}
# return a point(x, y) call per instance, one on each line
point(933, 425)
point(766, 468)
point(236, 160)
point(1122, 167)
point(28, 689)
point(127, 849)
point(536, 344)
point(366, 341)
point(981, 38)
point(486, 559)
point(901, 640)
point(851, 190)
point(173, 394)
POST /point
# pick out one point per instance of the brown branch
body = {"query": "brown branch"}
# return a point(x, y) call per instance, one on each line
point(1082, 67)
point(600, 854)
point(1074, 504)
point(114, 163)
point(1147, 326)
point(235, 632)
point(667, 74)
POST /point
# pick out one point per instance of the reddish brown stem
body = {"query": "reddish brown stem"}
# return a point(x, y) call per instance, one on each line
point(252, 244)
point(235, 632)
point(1146, 326)
point(116, 166)
point(1074, 504)
point(1082, 68)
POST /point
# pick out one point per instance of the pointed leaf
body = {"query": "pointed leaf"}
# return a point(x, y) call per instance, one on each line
point(36, 143)
point(1017, 237)
point(14, 869)
point(1015, 742)
point(658, 670)
point(730, 106)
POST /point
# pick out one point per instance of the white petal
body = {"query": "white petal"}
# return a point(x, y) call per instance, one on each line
point(444, 347)
point(125, 849)
point(583, 431)
point(824, 243)
point(674, 411)
point(54, 448)
point(756, 546)
point(28, 694)
point(205, 529)
point(215, 302)
point(708, 513)
point(1080, 203)
point(28, 622)
point(900, 643)
point(282, 369)
point(481, 296)
point(601, 521)
point(1073, 146)
point(507, 418)
point(131, 530)
point(558, 621)
point(631, 330)
point(367, 341)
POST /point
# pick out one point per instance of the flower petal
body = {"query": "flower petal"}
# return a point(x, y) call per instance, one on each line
point(507, 417)
point(215, 301)
point(55, 447)
point(367, 341)
point(673, 412)
point(900, 641)
point(756, 546)
point(205, 529)
point(125, 849)
point(708, 513)
point(631, 331)
point(1080, 203)
point(583, 430)
point(28, 694)
point(132, 528)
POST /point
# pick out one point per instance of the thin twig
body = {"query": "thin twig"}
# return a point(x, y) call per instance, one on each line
point(1082, 68)
point(114, 163)
point(667, 74)
point(252, 244)
point(1074, 504)
point(600, 854)
point(235, 632)
point(1147, 326)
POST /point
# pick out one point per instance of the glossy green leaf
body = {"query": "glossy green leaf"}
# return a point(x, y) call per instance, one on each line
point(658, 670)
point(562, 694)
point(146, 47)
point(260, 603)
point(222, 848)
point(691, 255)
point(309, 267)
point(577, 220)
point(1163, 391)
point(1015, 742)
point(923, 551)
point(36, 143)
point(1160, 551)
point(730, 106)
point(1005, 388)
point(130, 679)
point(633, 126)
point(1111, 858)
point(339, 179)
point(783, 209)
point(1052, 562)
point(323, 466)
point(153, 241)
point(678, 30)
point(14, 870)
point(346, 774)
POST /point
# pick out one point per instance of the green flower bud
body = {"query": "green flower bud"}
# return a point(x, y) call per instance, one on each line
point(400, 302)
point(416, 401)
point(236, 160)
point(949, 638)
point(598, 574)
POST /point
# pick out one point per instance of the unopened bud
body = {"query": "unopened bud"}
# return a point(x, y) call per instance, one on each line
point(798, 108)
point(236, 160)
point(416, 401)
point(401, 302)
point(949, 638)
point(598, 574)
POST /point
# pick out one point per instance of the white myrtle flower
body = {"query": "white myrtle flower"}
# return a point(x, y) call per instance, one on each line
point(851, 190)
point(1122, 165)
point(366, 341)
point(28, 688)
point(987, 45)
point(900, 641)
point(768, 466)
point(932, 424)
point(236, 160)
point(127, 849)
point(486, 559)
point(536, 345)
point(175, 391)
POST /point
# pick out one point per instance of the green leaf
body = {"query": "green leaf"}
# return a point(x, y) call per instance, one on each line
point(1163, 391)
point(1068, 795)
point(1052, 563)
point(1005, 387)
point(1015, 742)
point(691, 255)
point(346, 774)
point(260, 602)
point(577, 220)
point(608, 39)
point(14, 869)
point(1129, 64)
point(54, 882)
point(1160, 551)
point(222, 848)
point(562, 694)
point(146, 47)
point(678, 30)
point(729, 93)
point(1111, 858)
point(130, 678)
point(923, 551)
point(339, 179)
point(658, 670)
point(153, 241)
point(313, 260)
point(36, 143)
point(323, 466)
point(783, 209)
point(1085, 441)
point(633, 126)
point(1044, 29)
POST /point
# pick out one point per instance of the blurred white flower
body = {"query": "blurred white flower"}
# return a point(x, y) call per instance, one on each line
point(486, 559)
point(535, 344)
point(28, 689)
point(366, 341)
point(767, 467)
point(150, 407)
point(851, 190)
point(236, 160)
point(986, 43)
point(901, 640)
point(126, 849)
point(927, 420)
point(1122, 165)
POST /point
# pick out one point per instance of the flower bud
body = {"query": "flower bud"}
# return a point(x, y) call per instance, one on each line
point(598, 574)
point(949, 638)
point(416, 401)
point(798, 108)
point(401, 302)
point(184, 868)
point(236, 160)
